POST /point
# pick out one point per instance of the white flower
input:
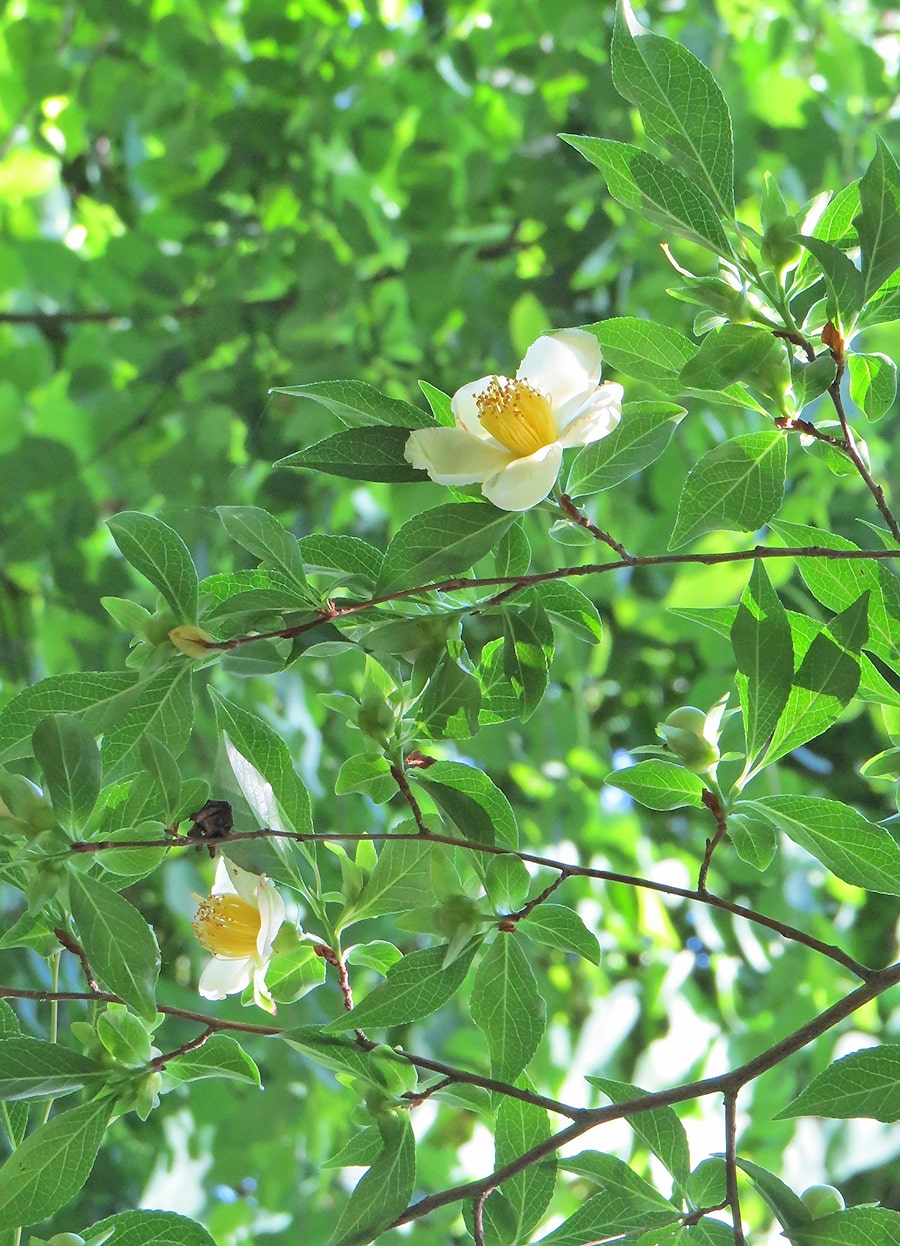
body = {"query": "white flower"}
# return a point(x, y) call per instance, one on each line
point(510, 434)
point(238, 923)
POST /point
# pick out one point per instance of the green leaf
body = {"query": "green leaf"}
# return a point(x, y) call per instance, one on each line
point(857, 1226)
point(161, 706)
point(659, 784)
point(400, 880)
point(164, 772)
point(568, 605)
point(659, 191)
point(521, 1126)
point(527, 651)
point(294, 974)
point(158, 552)
point(733, 352)
point(507, 1006)
point(738, 485)
point(262, 765)
point(414, 988)
point(680, 102)
point(853, 848)
point(440, 543)
point(761, 639)
point(471, 800)
point(354, 559)
point(754, 840)
point(33, 1069)
point(451, 701)
point(52, 1164)
point(439, 403)
point(150, 1228)
point(512, 555)
point(13, 1116)
point(706, 1186)
point(374, 453)
point(359, 405)
point(884, 305)
point(507, 882)
point(96, 697)
point(560, 927)
point(625, 1201)
point(643, 349)
point(786, 1205)
point(334, 1051)
point(866, 1083)
point(843, 280)
point(260, 533)
point(824, 683)
point(220, 1056)
point(369, 774)
point(659, 1129)
point(878, 223)
point(385, 1189)
point(838, 584)
point(69, 759)
point(810, 380)
point(120, 947)
point(643, 434)
point(873, 384)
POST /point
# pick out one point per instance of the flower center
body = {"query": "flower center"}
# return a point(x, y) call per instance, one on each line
point(227, 926)
point(518, 415)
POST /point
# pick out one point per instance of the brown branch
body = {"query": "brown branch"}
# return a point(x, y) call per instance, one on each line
point(725, 1083)
point(834, 391)
point(515, 583)
point(71, 945)
point(581, 871)
point(798, 340)
point(545, 895)
point(731, 1185)
point(161, 1061)
point(478, 1217)
point(714, 805)
point(577, 516)
point(405, 790)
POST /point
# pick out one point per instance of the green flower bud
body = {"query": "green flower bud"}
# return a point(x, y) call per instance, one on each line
point(191, 640)
point(822, 1200)
point(686, 733)
point(778, 248)
point(66, 1239)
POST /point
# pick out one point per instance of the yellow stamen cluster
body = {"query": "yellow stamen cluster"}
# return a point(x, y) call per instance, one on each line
point(227, 926)
point(517, 414)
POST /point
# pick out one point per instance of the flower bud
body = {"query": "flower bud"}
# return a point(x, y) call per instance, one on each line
point(822, 1200)
point(687, 735)
point(189, 639)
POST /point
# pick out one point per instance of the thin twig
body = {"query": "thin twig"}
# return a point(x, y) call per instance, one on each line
point(516, 583)
point(160, 1062)
point(714, 805)
point(731, 1184)
point(571, 511)
point(478, 1217)
point(581, 871)
point(834, 391)
point(408, 796)
point(545, 895)
point(71, 945)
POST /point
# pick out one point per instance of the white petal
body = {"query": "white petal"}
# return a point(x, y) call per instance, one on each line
point(465, 408)
point(222, 885)
point(598, 419)
point(452, 456)
point(271, 915)
point(525, 482)
point(261, 996)
point(223, 977)
point(243, 883)
point(563, 365)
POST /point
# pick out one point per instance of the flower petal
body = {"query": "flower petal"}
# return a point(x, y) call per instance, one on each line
point(465, 408)
point(598, 419)
point(223, 977)
point(271, 915)
point(525, 482)
point(223, 886)
point(452, 456)
point(261, 996)
point(243, 883)
point(563, 365)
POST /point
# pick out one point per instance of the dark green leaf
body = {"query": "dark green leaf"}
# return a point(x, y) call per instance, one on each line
point(150, 1228)
point(414, 988)
point(468, 797)
point(527, 650)
point(374, 453)
point(878, 223)
point(158, 552)
point(385, 1189)
point(120, 947)
point(451, 701)
point(69, 758)
point(96, 697)
point(641, 437)
point(359, 405)
point(734, 352)
point(441, 543)
point(263, 536)
point(624, 1202)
